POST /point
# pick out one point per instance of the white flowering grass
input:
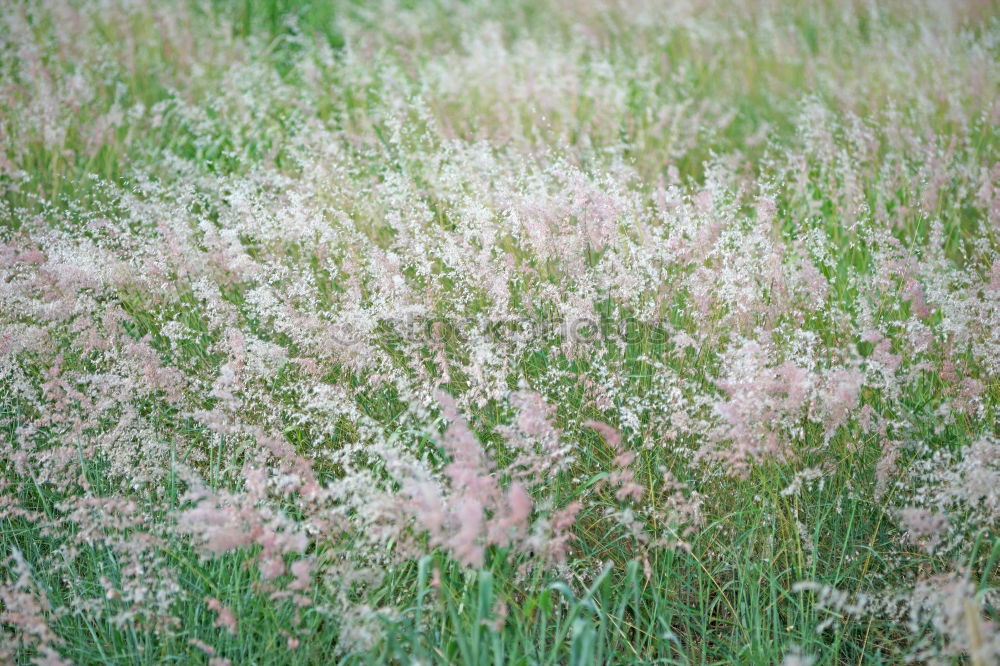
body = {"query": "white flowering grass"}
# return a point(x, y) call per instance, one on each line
point(487, 333)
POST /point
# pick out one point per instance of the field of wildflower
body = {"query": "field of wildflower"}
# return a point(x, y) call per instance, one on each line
point(478, 332)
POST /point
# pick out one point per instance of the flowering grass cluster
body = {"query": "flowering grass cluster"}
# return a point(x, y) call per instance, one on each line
point(576, 331)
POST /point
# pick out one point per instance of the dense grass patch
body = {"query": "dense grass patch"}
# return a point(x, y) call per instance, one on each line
point(488, 333)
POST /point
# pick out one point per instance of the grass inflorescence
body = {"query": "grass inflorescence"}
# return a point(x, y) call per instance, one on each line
point(563, 332)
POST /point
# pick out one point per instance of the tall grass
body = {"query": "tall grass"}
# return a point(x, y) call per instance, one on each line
point(485, 333)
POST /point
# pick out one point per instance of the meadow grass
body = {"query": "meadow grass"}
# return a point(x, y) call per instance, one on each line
point(482, 333)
